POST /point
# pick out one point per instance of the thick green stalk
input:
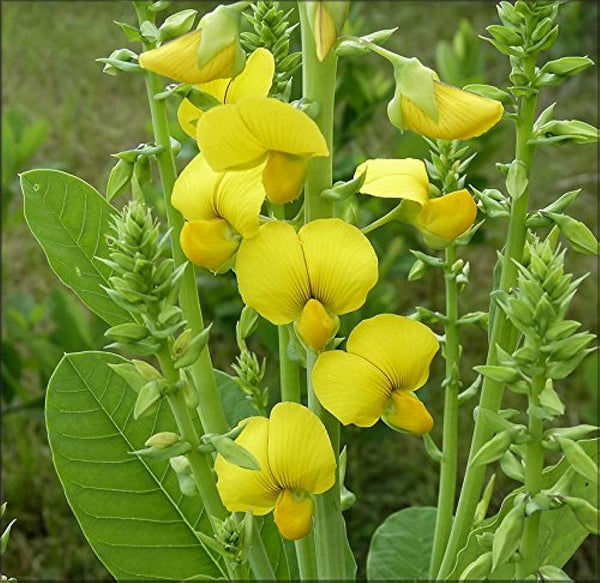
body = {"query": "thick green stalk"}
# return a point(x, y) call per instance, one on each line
point(259, 559)
point(307, 561)
point(318, 83)
point(502, 335)
point(447, 487)
point(534, 464)
point(211, 410)
point(329, 527)
point(289, 372)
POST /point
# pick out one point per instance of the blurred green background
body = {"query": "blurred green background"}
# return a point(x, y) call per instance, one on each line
point(60, 111)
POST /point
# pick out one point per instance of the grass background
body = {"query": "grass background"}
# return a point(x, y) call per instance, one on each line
point(49, 73)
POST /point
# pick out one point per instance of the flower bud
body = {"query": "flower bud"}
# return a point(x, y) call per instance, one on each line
point(578, 459)
point(162, 439)
point(586, 514)
point(326, 19)
point(148, 398)
point(567, 66)
point(177, 24)
point(579, 236)
point(146, 370)
point(508, 536)
point(479, 569)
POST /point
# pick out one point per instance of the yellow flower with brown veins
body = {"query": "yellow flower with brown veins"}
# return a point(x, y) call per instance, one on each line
point(387, 358)
point(256, 130)
point(309, 277)
point(220, 209)
point(434, 109)
point(254, 81)
point(211, 52)
point(296, 462)
point(441, 220)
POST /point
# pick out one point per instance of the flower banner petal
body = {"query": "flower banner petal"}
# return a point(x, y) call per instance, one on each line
point(281, 127)
point(239, 197)
point(461, 114)
point(209, 244)
point(300, 453)
point(194, 191)
point(226, 141)
point(401, 348)
point(341, 263)
point(447, 217)
point(406, 412)
point(256, 78)
point(405, 178)
point(271, 273)
point(350, 387)
point(242, 489)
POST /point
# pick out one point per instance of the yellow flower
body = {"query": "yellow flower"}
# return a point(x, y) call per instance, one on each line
point(324, 270)
point(441, 220)
point(220, 208)
point(424, 105)
point(461, 114)
point(326, 19)
point(254, 81)
point(177, 60)
point(258, 129)
point(387, 359)
point(296, 461)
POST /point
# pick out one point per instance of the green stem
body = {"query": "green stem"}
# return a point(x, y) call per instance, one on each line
point(318, 83)
point(329, 527)
point(259, 559)
point(307, 561)
point(534, 464)
point(211, 411)
point(447, 487)
point(384, 220)
point(289, 372)
point(501, 335)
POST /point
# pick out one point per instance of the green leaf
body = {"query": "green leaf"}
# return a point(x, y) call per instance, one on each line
point(69, 219)
point(561, 534)
point(401, 546)
point(130, 509)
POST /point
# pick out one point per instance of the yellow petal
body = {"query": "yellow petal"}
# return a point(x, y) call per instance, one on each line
point(407, 413)
point(281, 127)
point(350, 387)
point(284, 176)
point(325, 31)
point(209, 244)
point(461, 114)
point(194, 191)
point(175, 59)
point(300, 453)
point(447, 217)
point(316, 326)
point(238, 199)
point(271, 273)
point(401, 348)
point(226, 141)
point(242, 489)
point(221, 66)
point(256, 78)
point(405, 178)
point(341, 263)
point(293, 514)
point(187, 116)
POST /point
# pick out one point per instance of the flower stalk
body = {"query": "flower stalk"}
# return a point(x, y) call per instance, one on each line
point(501, 331)
point(211, 412)
point(318, 84)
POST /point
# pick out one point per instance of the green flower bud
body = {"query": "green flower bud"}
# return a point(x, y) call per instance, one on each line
point(587, 515)
point(127, 333)
point(118, 179)
point(418, 270)
point(177, 24)
point(494, 449)
point(181, 465)
point(573, 433)
point(508, 536)
point(553, 573)
point(343, 190)
point(516, 179)
point(193, 348)
point(578, 459)
point(148, 397)
point(490, 92)
point(130, 375)
point(162, 439)
point(479, 569)
point(483, 504)
point(246, 325)
point(567, 66)
point(120, 61)
point(505, 35)
point(512, 467)
point(580, 238)
point(568, 132)
point(232, 452)
point(501, 374)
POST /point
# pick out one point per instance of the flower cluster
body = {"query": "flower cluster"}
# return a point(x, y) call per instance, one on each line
point(255, 148)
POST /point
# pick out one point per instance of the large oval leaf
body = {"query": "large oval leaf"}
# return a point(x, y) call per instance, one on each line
point(130, 509)
point(70, 220)
point(401, 546)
